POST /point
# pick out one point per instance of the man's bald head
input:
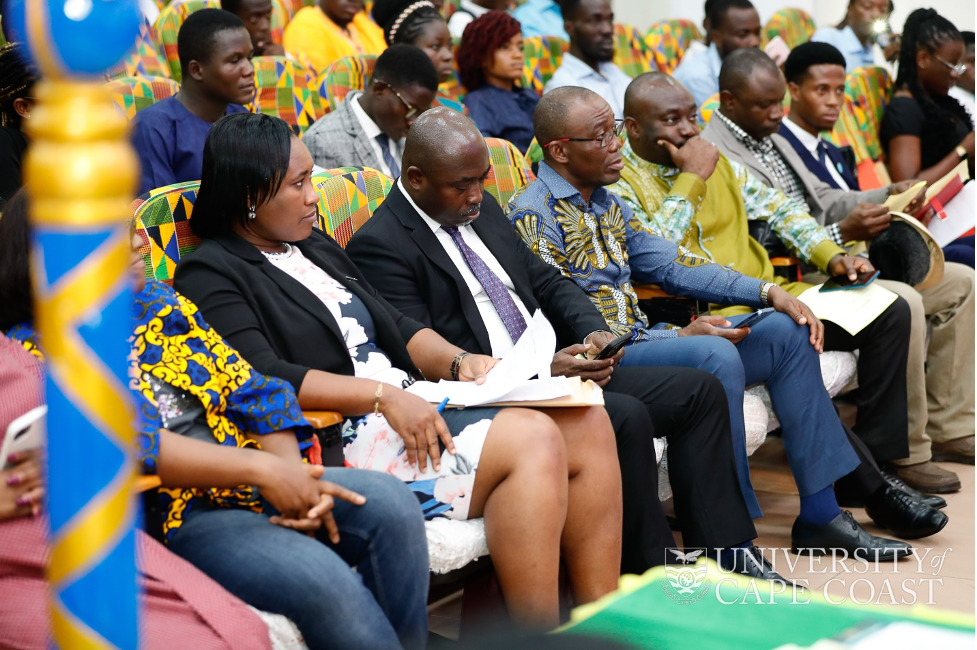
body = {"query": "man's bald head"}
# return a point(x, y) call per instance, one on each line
point(552, 118)
point(744, 66)
point(445, 165)
point(650, 88)
point(658, 110)
point(439, 137)
point(751, 92)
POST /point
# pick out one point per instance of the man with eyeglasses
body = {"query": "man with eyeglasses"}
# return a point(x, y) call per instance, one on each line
point(571, 221)
point(368, 128)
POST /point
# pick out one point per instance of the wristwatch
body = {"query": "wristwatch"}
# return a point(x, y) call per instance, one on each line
point(961, 151)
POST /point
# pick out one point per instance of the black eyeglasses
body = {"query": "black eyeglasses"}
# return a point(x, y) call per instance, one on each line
point(604, 140)
point(412, 110)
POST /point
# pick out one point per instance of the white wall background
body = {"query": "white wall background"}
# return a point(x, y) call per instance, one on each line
point(642, 13)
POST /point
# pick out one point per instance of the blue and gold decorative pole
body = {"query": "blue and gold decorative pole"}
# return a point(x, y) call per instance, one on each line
point(81, 175)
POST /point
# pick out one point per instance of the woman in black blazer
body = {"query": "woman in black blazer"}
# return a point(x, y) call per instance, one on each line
point(294, 305)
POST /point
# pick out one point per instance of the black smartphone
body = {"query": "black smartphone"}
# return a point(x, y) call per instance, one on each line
point(752, 319)
point(840, 282)
point(614, 346)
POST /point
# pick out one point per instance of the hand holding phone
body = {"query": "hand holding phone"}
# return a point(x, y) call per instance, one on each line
point(752, 319)
point(25, 433)
point(614, 346)
point(843, 282)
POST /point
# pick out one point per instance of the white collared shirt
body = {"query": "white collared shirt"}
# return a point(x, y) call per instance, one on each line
point(608, 81)
point(810, 143)
point(372, 131)
point(499, 337)
point(460, 19)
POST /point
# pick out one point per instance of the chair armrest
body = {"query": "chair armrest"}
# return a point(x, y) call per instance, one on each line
point(323, 419)
point(650, 292)
point(145, 483)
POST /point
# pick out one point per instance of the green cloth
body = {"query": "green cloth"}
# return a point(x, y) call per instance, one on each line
point(645, 614)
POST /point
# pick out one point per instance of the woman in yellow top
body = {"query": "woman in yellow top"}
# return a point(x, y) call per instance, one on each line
point(327, 32)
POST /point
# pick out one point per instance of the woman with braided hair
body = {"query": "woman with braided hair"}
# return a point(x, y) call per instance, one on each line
point(490, 63)
point(419, 23)
point(925, 132)
point(17, 78)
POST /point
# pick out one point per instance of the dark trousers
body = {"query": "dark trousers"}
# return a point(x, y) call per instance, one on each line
point(867, 478)
point(882, 422)
point(688, 407)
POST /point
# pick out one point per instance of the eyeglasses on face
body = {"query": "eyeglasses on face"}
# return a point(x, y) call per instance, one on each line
point(958, 69)
point(412, 110)
point(604, 139)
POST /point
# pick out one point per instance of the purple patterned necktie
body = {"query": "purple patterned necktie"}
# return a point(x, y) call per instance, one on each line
point(497, 292)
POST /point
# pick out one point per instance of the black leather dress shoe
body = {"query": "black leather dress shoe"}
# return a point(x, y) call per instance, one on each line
point(751, 563)
point(907, 518)
point(932, 500)
point(844, 533)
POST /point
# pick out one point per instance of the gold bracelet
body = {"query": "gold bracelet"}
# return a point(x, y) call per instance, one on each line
point(456, 364)
point(961, 151)
point(376, 398)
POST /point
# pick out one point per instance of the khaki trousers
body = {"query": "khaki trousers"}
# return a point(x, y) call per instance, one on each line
point(940, 378)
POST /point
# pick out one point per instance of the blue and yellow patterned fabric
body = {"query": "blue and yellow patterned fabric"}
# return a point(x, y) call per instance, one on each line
point(285, 89)
point(509, 171)
point(342, 77)
point(543, 55)
point(173, 344)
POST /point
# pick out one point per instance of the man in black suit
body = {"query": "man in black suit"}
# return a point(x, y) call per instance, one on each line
point(445, 255)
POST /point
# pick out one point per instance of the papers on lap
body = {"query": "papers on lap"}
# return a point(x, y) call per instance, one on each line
point(853, 309)
point(509, 382)
point(957, 217)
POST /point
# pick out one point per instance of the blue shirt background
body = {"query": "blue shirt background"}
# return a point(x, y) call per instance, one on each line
point(169, 141)
point(856, 54)
point(700, 74)
point(540, 18)
point(506, 114)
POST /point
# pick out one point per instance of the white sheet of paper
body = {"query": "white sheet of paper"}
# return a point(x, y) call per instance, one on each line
point(960, 217)
point(851, 309)
point(906, 635)
point(509, 380)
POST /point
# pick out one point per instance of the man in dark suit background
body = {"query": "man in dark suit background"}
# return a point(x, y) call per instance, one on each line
point(444, 254)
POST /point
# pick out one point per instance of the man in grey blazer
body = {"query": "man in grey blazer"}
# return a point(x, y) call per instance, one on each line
point(369, 127)
point(941, 393)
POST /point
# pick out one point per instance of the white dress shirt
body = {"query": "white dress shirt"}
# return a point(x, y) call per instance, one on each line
point(610, 82)
point(810, 143)
point(372, 131)
point(460, 19)
point(499, 337)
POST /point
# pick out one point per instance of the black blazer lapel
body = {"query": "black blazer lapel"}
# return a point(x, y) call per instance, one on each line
point(432, 249)
point(289, 286)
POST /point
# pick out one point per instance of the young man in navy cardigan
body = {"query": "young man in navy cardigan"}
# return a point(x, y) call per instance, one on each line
point(815, 74)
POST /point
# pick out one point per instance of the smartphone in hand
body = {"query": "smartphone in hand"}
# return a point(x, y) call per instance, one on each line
point(614, 346)
point(752, 319)
point(842, 282)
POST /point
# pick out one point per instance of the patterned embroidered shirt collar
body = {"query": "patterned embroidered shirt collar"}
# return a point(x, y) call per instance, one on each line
point(661, 171)
point(561, 188)
point(770, 158)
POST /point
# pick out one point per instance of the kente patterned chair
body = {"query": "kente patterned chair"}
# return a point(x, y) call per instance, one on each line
point(279, 18)
point(291, 6)
point(867, 92)
point(132, 94)
point(543, 55)
point(285, 89)
point(348, 196)
point(145, 59)
point(631, 54)
point(708, 106)
point(168, 26)
point(509, 170)
point(669, 40)
point(343, 76)
point(795, 26)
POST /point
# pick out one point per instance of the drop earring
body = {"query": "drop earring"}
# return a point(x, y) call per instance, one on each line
point(251, 214)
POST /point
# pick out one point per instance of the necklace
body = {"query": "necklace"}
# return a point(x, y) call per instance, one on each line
point(279, 256)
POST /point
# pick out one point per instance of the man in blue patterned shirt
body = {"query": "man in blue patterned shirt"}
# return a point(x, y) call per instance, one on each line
point(569, 220)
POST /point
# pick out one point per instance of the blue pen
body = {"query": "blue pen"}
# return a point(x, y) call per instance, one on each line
point(443, 403)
